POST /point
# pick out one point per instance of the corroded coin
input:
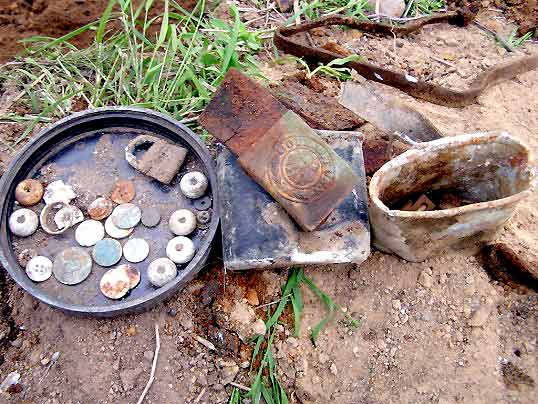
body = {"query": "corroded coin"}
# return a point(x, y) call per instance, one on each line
point(89, 232)
point(115, 283)
point(180, 250)
point(151, 217)
point(29, 192)
point(161, 271)
point(132, 273)
point(100, 209)
point(107, 252)
point(39, 268)
point(126, 216)
point(123, 192)
point(114, 231)
point(136, 250)
point(72, 266)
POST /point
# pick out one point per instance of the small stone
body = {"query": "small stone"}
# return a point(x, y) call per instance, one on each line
point(396, 304)
point(45, 361)
point(172, 312)
point(228, 374)
point(129, 377)
point(252, 297)
point(11, 379)
point(148, 355)
point(480, 316)
point(131, 331)
point(333, 369)
point(443, 278)
point(258, 327)
point(404, 318)
point(17, 343)
point(425, 279)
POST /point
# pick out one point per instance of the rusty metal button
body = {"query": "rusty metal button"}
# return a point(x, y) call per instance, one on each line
point(193, 184)
point(72, 266)
point(161, 271)
point(114, 231)
point(180, 250)
point(115, 283)
point(151, 217)
point(100, 209)
point(29, 192)
point(123, 192)
point(89, 232)
point(39, 268)
point(132, 273)
point(23, 222)
point(107, 252)
point(202, 203)
point(182, 222)
point(203, 217)
point(126, 216)
point(136, 250)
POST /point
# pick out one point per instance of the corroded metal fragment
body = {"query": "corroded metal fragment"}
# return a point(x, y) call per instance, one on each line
point(72, 266)
point(278, 150)
point(162, 160)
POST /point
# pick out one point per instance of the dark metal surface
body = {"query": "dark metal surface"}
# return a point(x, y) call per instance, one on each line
point(67, 150)
point(420, 89)
point(259, 233)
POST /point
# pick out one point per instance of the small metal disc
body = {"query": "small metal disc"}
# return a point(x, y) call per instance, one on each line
point(202, 203)
point(123, 192)
point(72, 266)
point(161, 271)
point(107, 252)
point(39, 268)
point(126, 216)
point(151, 217)
point(116, 232)
point(100, 209)
point(132, 273)
point(115, 283)
point(89, 232)
point(203, 217)
point(136, 250)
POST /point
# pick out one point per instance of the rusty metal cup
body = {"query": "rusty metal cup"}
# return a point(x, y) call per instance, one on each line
point(493, 168)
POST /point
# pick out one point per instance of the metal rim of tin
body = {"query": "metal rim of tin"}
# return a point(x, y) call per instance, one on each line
point(72, 266)
point(52, 139)
point(107, 252)
point(115, 232)
point(126, 216)
point(39, 268)
point(136, 250)
point(89, 232)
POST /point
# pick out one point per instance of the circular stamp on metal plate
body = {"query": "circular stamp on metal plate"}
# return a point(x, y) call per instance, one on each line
point(301, 168)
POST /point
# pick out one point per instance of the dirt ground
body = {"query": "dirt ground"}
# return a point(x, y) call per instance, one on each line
point(415, 343)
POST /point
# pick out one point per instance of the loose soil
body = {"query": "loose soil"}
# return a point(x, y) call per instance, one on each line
point(439, 331)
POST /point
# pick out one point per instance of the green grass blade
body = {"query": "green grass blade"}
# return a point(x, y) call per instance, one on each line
point(103, 21)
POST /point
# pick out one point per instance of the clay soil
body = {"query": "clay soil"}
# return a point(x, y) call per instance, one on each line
point(415, 343)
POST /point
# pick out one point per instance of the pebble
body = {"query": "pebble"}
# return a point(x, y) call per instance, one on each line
point(148, 355)
point(443, 278)
point(89, 232)
point(425, 279)
point(480, 316)
point(136, 250)
point(193, 184)
point(23, 222)
point(182, 222)
point(396, 304)
point(252, 297)
point(180, 250)
point(17, 343)
point(258, 327)
point(333, 369)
